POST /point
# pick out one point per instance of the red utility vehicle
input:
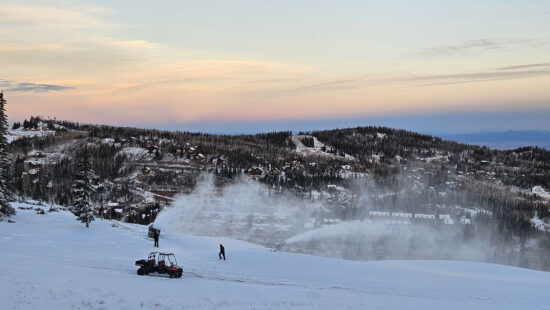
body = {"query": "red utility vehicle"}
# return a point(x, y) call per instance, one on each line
point(161, 263)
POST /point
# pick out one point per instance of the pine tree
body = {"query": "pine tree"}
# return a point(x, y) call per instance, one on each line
point(83, 187)
point(5, 192)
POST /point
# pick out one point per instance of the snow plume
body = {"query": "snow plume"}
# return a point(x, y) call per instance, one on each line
point(399, 221)
point(382, 223)
point(246, 210)
point(368, 240)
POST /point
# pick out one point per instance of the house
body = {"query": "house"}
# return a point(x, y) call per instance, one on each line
point(191, 150)
point(146, 170)
point(255, 172)
point(199, 158)
point(36, 155)
point(275, 172)
point(424, 216)
point(33, 164)
point(399, 214)
point(379, 213)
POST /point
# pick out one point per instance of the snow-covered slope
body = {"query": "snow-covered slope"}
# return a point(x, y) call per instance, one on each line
point(41, 130)
point(53, 262)
point(317, 148)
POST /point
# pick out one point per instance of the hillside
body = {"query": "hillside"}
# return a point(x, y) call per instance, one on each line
point(380, 175)
point(59, 264)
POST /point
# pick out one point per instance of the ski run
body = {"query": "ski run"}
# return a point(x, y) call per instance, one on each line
point(51, 261)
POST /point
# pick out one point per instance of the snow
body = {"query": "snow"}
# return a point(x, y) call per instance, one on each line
point(424, 216)
point(474, 211)
point(14, 134)
point(539, 223)
point(56, 263)
point(539, 191)
point(401, 214)
point(33, 171)
point(316, 149)
point(133, 151)
point(379, 213)
point(435, 158)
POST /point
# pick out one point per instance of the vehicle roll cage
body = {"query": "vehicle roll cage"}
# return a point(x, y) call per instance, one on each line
point(161, 257)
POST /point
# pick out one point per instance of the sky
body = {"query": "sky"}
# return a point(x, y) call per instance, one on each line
point(251, 65)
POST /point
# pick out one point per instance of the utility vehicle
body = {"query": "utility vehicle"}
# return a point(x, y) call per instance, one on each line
point(161, 263)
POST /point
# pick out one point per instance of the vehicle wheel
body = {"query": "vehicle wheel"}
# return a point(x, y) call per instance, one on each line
point(172, 275)
point(140, 271)
point(180, 274)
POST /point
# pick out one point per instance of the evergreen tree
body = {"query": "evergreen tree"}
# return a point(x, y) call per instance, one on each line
point(83, 187)
point(5, 192)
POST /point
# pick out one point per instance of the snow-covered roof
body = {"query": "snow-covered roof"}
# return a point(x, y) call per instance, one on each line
point(539, 191)
point(424, 216)
point(399, 214)
point(379, 213)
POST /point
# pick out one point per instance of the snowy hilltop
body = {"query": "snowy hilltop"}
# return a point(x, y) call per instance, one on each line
point(57, 263)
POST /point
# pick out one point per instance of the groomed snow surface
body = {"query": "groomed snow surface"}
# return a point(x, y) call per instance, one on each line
point(52, 261)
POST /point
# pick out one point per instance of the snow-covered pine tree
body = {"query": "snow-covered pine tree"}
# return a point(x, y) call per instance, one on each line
point(5, 191)
point(83, 187)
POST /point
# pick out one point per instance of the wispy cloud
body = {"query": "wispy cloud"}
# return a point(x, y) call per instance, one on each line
point(415, 80)
point(526, 66)
point(53, 17)
point(473, 46)
point(335, 84)
point(502, 73)
point(63, 41)
point(31, 87)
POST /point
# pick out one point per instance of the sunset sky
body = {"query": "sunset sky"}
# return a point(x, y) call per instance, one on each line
point(244, 66)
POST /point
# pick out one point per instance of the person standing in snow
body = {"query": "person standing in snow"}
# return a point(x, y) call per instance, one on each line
point(156, 237)
point(222, 252)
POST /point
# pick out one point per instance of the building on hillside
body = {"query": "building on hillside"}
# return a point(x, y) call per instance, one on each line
point(379, 213)
point(255, 172)
point(400, 214)
point(424, 216)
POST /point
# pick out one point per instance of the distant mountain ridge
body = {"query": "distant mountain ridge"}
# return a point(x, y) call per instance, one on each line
point(503, 140)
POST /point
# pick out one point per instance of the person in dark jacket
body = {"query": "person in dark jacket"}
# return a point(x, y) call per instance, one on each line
point(222, 252)
point(156, 237)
